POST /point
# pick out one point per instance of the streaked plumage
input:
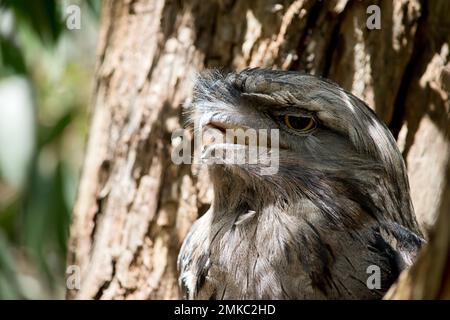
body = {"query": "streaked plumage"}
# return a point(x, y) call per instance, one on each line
point(338, 204)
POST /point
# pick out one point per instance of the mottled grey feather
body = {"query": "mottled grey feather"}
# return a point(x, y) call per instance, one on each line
point(338, 204)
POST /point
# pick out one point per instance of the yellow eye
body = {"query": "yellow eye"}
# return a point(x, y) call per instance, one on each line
point(301, 124)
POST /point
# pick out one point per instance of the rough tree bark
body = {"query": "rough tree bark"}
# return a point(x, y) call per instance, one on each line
point(429, 277)
point(134, 206)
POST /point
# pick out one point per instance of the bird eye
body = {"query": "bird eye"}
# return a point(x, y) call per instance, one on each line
point(300, 124)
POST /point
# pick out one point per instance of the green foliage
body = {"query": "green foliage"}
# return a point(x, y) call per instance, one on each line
point(42, 17)
point(11, 58)
point(35, 213)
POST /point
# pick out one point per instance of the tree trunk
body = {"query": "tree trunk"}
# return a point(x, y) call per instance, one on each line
point(429, 277)
point(134, 206)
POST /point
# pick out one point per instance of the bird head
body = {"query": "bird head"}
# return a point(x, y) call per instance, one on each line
point(334, 153)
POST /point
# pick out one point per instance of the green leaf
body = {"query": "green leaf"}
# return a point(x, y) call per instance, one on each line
point(49, 135)
point(43, 17)
point(9, 284)
point(11, 58)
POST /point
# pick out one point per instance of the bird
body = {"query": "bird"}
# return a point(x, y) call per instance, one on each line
point(337, 208)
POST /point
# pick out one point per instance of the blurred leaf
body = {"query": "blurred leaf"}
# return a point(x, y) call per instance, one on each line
point(61, 212)
point(8, 217)
point(49, 135)
point(43, 17)
point(11, 58)
point(17, 130)
point(95, 7)
point(34, 221)
point(46, 219)
point(9, 284)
